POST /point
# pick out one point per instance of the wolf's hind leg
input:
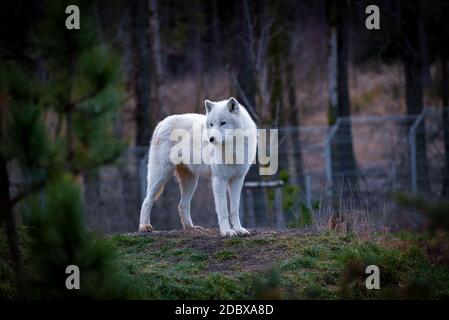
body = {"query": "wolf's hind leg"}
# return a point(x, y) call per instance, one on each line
point(187, 185)
point(157, 177)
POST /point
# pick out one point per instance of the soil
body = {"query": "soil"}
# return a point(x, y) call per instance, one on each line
point(258, 252)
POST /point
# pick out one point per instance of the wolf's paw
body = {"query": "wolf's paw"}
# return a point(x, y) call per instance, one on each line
point(242, 232)
point(228, 233)
point(145, 228)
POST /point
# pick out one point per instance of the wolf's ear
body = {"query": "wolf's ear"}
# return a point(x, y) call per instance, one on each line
point(209, 105)
point(233, 105)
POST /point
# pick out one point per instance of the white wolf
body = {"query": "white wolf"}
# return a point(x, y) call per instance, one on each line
point(221, 119)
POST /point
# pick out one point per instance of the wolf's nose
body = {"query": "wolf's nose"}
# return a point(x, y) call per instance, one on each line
point(211, 139)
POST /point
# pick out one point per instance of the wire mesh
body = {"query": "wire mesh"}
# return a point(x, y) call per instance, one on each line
point(352, 167)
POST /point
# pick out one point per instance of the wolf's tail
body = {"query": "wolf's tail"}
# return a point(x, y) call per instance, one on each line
point(153, 158)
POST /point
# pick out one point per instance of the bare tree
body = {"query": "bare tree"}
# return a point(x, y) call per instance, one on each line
point(436, 28)
point(216, 31)
point(7, 217)
point(243, 54)
point(445, 102)
point(17, 20)
point(411, 24)
point(141, 69)
point(292, 106)
point(250, 56)
point(155, 42)
point(196, 27)
point(343, 160)
point(275, 57)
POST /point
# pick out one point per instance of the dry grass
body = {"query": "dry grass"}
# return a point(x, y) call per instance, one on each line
point(345, 212)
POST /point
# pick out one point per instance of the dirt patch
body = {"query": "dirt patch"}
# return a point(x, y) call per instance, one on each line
point(258, 252)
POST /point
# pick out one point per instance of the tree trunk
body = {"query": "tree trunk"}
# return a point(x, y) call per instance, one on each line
point(290, 22)
point(425, 56)
point(197, 57)
point(293, 120)
point(342, 153)
point(155, 42)
point(216, 32)
point(141, 70)
point(344, 134)
point(413, 69)
point(242, 54)
point(155, 37)
point(332, 76)
point(276, 54)
point(241, 58)
point(8, 218)
point(445, 101)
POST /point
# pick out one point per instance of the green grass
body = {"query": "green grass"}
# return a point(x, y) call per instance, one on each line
point(310, 266)
point(167, 269)
point(224, 255)
point(298, 263)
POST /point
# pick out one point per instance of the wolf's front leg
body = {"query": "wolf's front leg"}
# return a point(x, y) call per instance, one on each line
point(235, 190)
point(221, 207)
point(145, 211)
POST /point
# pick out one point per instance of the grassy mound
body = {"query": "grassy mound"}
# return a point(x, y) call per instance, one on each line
point(270, 264)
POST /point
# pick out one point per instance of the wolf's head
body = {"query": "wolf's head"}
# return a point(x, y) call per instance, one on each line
point(222, 117)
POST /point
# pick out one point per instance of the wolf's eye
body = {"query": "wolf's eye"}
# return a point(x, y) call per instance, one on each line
point(222, 123)
point(211, 124)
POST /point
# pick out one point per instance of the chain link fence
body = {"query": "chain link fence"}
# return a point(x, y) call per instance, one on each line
point(351, 168)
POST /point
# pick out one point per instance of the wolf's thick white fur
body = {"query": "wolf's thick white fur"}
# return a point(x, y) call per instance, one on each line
point(220, 116)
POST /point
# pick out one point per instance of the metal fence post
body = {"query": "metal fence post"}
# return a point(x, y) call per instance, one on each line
point(393, 175)
point(279, 220)
point(279, 212)
point(328, 159)
point(412, 142)
point(309, 190)
point(328, 154)
point(249, 209)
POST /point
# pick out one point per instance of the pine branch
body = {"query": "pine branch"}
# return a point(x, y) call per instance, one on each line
point(88, 96)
